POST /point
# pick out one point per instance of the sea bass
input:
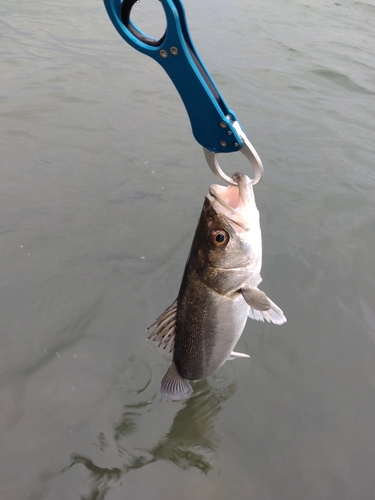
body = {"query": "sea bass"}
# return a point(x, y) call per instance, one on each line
point(219, 289)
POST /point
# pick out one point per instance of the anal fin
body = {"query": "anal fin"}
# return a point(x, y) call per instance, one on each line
point(234, 355)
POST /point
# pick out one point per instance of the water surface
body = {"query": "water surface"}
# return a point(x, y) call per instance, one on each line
point(101, 187)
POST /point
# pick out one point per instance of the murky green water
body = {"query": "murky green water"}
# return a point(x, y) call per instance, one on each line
point(101, 185)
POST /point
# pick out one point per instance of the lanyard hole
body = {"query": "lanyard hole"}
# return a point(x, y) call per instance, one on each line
point(147, 22)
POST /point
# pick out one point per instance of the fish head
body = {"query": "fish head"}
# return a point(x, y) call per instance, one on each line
point(228, 235)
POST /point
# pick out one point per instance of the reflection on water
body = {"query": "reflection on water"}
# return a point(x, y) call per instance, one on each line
point(191, 445)
point(101, 186)
point(191, 441)
point(101, 478)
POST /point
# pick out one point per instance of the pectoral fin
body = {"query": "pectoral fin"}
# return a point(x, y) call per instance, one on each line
point(256, 299)
point(261, 307)
point(165, 327)
point(234, 355)
point(173, 386)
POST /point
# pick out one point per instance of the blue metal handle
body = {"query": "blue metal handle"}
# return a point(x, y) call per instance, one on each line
point(214, 125)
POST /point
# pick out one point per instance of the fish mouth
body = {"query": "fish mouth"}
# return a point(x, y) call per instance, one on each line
point(236, 203)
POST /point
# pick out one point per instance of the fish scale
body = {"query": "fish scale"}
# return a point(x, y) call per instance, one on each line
point(218, 291)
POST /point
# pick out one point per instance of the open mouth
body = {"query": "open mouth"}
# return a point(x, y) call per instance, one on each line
point(235, 201)
point(228, 197)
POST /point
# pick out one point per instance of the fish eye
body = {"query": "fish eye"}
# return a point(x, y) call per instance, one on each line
point(218, 238)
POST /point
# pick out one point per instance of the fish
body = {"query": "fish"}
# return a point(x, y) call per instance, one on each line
point(219, 289)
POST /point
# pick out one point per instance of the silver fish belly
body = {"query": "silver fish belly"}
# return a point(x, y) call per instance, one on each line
point(218, 290)
point(208, 326)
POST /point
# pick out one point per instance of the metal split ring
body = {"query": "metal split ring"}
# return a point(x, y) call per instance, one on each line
point(247, 150)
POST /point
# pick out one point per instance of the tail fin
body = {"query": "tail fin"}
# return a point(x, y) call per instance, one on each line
point(173, 386)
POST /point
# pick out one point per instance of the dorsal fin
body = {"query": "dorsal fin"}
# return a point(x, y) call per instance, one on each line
point(165, 327)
